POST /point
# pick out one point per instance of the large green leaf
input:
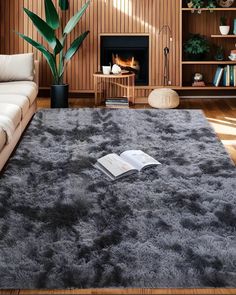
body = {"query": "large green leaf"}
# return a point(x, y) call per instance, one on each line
point(75, 46)
point(75, 19)
point(58, 47)
point(44, 29)
point(49, 57)
point(52, 17)
point(64, 4)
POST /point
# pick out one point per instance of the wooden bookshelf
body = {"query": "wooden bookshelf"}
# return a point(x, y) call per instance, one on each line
point(207, 24)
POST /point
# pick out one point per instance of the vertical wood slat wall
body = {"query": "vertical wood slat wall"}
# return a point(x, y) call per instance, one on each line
point(103, 16)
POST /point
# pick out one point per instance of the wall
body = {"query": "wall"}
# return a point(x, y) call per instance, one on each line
point(103, 16)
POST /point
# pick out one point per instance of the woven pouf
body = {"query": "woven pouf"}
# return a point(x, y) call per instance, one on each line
point(163, 98)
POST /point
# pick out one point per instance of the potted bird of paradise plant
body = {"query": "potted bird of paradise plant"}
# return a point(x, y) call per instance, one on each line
point(55, 35)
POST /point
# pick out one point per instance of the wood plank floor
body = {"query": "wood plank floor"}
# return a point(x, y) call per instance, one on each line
point(221, 113)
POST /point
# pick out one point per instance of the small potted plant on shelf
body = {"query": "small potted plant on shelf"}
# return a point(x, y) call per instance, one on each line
point(196, 47)
point(195, 5)
point(198, 4)
point(211, 5)
point(55, 35)
point(224, 26)
point(219, 53)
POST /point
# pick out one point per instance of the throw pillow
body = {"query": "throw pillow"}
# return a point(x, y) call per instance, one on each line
point(17, 67)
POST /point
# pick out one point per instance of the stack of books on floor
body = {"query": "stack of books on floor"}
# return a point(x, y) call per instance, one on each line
point(117, 102)
point(225, 76)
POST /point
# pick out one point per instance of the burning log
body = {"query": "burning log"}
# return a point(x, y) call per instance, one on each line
point(126, 63)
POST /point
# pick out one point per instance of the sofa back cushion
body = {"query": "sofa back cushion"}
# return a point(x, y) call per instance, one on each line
point(17, 67)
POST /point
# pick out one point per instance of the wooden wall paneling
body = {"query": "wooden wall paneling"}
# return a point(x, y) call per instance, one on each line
point(103, 16)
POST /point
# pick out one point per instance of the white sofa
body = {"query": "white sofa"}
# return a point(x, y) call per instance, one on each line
point(17, 106)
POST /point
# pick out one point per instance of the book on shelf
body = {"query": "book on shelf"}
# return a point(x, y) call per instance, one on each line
point(224, 82)
point(234, 76)
point(218, 76)
point(228, 75)
point(198, 84)
point(225, 76)
point(231, 72)
point(129, 162)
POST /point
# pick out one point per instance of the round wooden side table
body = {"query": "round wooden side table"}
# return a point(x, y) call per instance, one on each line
point(113, 86)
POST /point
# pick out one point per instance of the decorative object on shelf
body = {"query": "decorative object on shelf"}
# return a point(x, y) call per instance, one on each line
point(168, 32)
point(225, 3)
point(224, 26)
point(198, 77)
point(198, 80)
point(196, 5)
point(232, 55)
point(57, 58)
point(116, 70)
point(219, 55)
point(196, 47)
point(106, 70)
point(164, 98)
point(234, 32)
point(211, 5)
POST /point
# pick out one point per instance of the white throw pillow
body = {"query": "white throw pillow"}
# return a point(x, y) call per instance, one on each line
point(17, 67)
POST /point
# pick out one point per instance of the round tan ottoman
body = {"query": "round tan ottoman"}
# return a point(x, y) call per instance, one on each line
point(164, 98)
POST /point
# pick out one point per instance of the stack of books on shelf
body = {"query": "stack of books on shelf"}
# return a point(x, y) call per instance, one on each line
point(117, 102)
point(225, 76)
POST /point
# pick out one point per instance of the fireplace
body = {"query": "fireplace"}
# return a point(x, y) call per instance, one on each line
point(129, 52)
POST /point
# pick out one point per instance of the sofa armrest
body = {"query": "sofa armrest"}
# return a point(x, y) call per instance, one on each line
point(36, 72)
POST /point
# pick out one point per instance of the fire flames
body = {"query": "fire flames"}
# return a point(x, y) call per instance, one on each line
point(126, 63)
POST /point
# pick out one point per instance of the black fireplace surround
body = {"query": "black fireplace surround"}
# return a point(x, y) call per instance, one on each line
point(127, 49)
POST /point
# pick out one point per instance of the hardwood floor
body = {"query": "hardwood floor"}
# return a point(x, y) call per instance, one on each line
point(221, 113)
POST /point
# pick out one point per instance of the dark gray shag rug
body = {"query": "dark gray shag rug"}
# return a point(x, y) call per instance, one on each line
point(64, 225)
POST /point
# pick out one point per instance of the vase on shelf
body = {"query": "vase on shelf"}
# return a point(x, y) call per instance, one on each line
point(224, 30)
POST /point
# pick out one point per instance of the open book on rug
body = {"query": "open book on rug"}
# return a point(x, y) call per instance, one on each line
point(115, 166)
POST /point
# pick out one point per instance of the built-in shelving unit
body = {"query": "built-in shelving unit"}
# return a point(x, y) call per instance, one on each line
point(205, 22)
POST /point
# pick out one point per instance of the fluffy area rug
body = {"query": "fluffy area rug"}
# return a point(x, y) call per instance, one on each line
point(63, 224)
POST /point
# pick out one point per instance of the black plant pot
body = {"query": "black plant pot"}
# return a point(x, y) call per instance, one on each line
point(59, 96)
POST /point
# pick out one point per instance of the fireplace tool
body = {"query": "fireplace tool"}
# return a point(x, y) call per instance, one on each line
point(166, 74)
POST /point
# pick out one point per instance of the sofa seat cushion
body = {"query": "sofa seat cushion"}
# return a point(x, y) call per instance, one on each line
point(12, 112)
point(8, 126)
point(25, 88)
point(3, 138)
point(18, 100)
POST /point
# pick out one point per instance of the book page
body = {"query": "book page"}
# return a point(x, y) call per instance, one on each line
point(115, 165)
point(139, 159)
